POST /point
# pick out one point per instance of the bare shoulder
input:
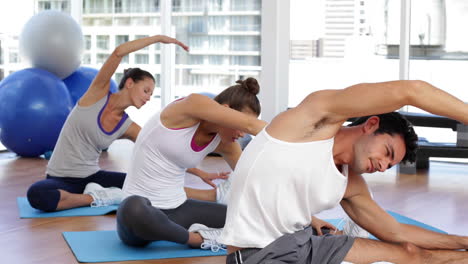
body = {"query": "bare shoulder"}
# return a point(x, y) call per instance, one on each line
point(195, 98)
point(177, 114)
point(309, 121)
point(91, 97)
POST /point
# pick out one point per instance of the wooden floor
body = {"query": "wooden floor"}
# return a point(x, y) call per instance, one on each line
point(438, 197)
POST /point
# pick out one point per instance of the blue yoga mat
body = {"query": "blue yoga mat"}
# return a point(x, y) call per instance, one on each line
point(26, 211)
point(105, 246)
point(406, 220)
point(338, 223)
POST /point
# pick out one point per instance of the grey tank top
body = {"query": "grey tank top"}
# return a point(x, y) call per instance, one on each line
point(82, 140)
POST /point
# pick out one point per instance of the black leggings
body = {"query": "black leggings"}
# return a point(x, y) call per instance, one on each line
point(44, 195)
point(139, 223)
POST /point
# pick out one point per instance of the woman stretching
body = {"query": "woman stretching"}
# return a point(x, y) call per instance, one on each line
point(74, 178)
point(175, 139)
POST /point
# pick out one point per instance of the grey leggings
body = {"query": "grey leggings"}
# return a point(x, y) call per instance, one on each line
point(139, 223)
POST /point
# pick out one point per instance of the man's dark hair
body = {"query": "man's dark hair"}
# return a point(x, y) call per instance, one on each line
point(394, 123)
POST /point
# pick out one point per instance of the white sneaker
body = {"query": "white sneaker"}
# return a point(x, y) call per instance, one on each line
point(352, 229)
point(222, 191)
point(209, 235)
point(103, 196)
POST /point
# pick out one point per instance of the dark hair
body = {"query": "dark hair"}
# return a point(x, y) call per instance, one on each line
point(241, 95)
point(136, 74)
point(394, 123)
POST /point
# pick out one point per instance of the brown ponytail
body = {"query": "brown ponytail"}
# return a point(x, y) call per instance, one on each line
point(242, 95)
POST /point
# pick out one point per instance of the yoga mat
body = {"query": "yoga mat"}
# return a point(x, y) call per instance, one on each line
point(105, 246)
point(26, 211)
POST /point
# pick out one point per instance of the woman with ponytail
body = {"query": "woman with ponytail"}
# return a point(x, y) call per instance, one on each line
point(175, 139)
point(74, 178)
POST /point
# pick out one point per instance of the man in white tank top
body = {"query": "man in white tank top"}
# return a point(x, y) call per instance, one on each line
point(291, 171)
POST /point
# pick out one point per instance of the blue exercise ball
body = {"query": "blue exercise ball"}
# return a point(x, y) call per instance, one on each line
point(81, 79)
point(34, 105)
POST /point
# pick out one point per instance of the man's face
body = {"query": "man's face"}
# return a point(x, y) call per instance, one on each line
point(378, 152)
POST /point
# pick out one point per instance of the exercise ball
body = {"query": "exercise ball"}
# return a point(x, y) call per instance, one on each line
point(34, 105)
point(81, 79)
point(52, 41)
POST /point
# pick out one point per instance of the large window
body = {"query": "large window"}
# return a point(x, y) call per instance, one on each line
point(335, 44)
point(224, 44)
point(439, 52)
point(223, 35)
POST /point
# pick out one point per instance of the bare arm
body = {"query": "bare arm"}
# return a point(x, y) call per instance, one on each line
point(101, 83)
point(370, 216)
point(231, 153)
point(208, 177)
point(318, 224)
point(376, 98)
point(196, 107)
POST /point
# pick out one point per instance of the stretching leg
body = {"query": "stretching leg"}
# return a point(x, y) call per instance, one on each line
point(139, 223)
point(60, 193)
point(369, 251)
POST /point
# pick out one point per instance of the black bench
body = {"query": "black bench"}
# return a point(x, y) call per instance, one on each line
point(436, 149)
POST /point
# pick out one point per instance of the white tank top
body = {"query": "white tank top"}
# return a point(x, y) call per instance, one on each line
point(277, 187)
point(160, 158)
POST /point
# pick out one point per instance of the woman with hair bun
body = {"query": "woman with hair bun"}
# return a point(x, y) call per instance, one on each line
point(74, 178)
point(175, 139)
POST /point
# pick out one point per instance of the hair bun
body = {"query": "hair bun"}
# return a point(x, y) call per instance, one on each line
point(250, 84)
point(126, 71)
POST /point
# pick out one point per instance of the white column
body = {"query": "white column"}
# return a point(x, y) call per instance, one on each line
point(76, 10)
point(405, 22)
point(275, 58)
point(167, 55)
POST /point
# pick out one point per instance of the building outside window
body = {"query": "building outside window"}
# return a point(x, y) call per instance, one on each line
point(86, 59)
point(141, 58)
point(120, 39)
point(14, 57)
point(87, 42)
point(101, 58)
point(212, 29)
point(102, 42)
